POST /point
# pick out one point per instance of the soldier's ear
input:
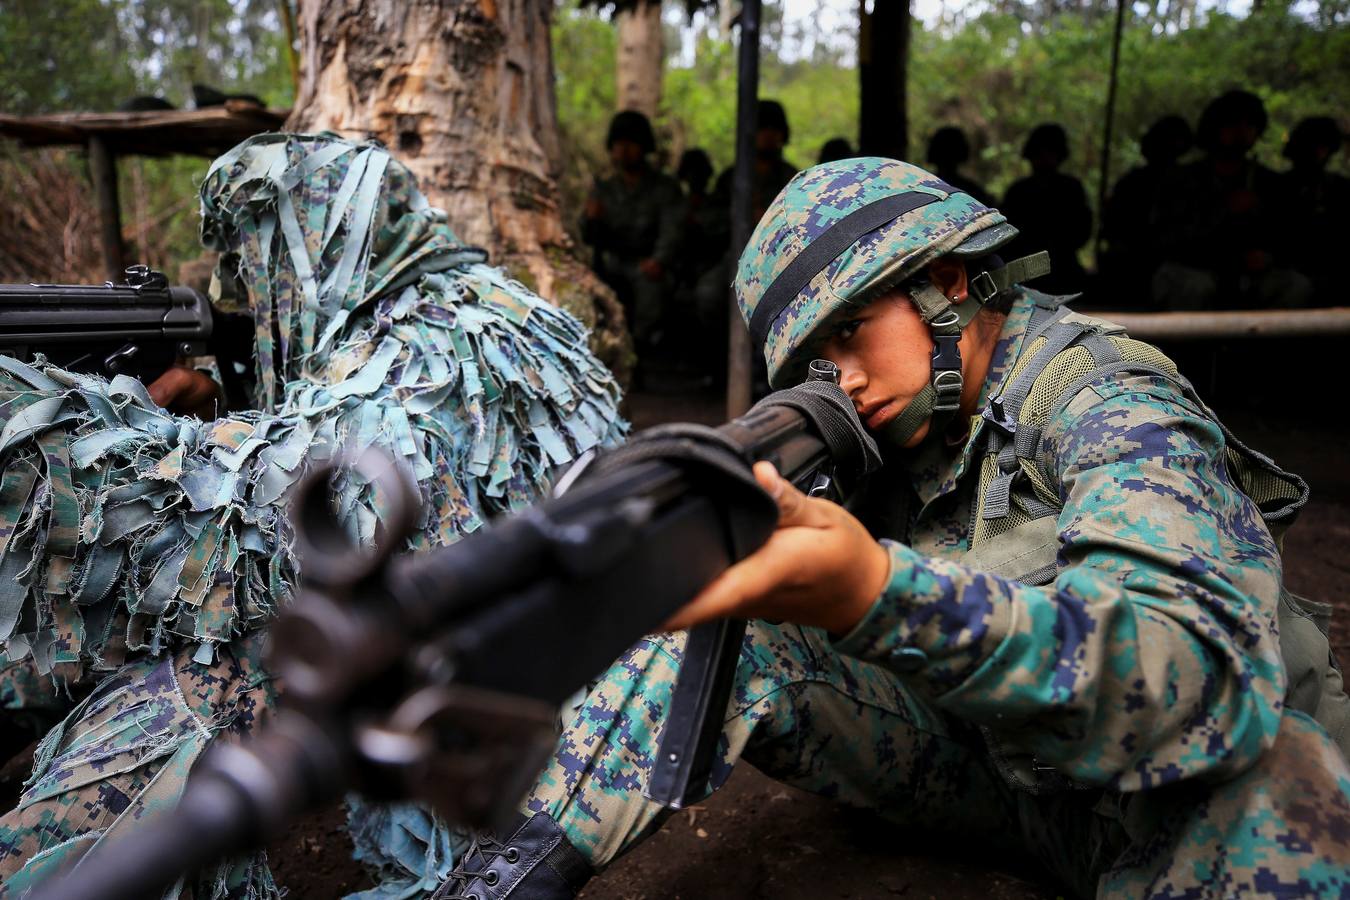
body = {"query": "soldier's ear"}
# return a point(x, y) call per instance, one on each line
point(948, 275)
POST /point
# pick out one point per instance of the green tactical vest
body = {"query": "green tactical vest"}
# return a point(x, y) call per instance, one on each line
point(1015, 511)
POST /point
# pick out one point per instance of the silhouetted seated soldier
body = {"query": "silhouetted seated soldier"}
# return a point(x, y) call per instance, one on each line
point(770, 173)
point(1050, 210)
point(1219, 231)
point(699, 323)
point(836, 149)
point(948, 151)
point(701, 242)
point(1130, 220)
point(771, 170)
point(633, 221)
point(1317, 200)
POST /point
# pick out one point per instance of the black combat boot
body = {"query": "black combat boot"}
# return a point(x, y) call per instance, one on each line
point(538, 862)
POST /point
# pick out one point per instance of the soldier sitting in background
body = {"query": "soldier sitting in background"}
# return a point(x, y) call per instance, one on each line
point(698, 320)
point(1051, 210)
point(633, 220)
point(835, 149)
point(1130, 220)
point(948, 151)
point(1219, 230)
point(1315, 199)
point(771, 171)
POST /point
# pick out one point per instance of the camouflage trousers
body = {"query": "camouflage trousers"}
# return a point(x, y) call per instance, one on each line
point(124, 753)
point(852, 731)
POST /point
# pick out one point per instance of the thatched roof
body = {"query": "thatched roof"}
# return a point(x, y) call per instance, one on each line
point(201, 132)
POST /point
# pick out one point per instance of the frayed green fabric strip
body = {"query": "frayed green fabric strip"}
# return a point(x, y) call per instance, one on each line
point(374, 325)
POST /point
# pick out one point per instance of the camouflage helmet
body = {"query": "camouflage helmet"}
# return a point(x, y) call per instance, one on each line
point(840, 234)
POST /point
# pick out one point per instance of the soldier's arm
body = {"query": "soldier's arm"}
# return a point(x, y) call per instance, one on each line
point(1153, 656)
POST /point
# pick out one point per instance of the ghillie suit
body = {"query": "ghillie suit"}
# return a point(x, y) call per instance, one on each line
point(141, 553)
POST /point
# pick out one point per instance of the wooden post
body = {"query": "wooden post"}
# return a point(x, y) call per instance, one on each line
point(739, 367)
point(1212, 325)
point(103, 173)
point(883, 62)
point(1105, 175)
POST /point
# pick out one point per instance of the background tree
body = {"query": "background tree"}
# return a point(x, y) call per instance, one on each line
point(641, 58)
point(462, 91)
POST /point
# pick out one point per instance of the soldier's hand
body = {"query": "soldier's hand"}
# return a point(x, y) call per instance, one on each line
point(821, 567)
point(187, 391)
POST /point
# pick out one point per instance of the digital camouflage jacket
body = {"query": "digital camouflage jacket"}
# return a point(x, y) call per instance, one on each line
point(1153, 655)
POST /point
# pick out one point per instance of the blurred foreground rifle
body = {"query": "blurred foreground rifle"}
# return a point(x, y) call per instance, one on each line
point(439, 675)
point(139, 328)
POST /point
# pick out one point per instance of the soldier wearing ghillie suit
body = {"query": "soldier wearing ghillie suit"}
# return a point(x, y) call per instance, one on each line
point(144, 553)
point(1051, 627)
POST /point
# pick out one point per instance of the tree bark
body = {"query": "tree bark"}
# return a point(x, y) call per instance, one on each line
point(462, 92)
point(883, 63)
point(640, 59)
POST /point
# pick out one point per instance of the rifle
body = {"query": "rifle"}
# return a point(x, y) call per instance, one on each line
point(139, 328)
point(425, 675)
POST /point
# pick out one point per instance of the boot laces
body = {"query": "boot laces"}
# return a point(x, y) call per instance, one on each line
point(487, 848)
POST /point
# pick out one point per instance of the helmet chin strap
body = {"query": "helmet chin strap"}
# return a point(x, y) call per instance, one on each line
point(941, 397)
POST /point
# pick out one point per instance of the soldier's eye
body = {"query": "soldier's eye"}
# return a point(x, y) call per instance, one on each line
point(848, 329)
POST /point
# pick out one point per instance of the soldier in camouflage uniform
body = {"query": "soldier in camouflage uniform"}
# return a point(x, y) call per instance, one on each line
point(1119, 714)
point(633, 219)
point(142, 554)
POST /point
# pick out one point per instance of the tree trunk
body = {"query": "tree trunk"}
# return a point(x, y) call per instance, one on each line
point(462, 92)
point(640, 59)
point(883, 63)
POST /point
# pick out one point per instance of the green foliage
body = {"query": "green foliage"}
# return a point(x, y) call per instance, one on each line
point(234, 45)
point(699, 101)
point(93, 54)
point(61, 56)
point(68, 55)
point(998, 78)
point(997, 75)
point(583, 55)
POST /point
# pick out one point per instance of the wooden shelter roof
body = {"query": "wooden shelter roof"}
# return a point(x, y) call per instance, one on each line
point(200, 132)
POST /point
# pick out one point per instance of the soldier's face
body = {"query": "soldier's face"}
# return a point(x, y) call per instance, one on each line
point(625, 154)
point(883, 353)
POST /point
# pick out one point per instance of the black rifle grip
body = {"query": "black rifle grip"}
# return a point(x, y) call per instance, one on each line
point(697, 711)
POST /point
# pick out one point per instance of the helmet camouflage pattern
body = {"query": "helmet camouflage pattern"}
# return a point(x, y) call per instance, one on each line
point(931, 220)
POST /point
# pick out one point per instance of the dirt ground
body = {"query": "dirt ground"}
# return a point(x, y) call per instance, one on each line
point(759, 839)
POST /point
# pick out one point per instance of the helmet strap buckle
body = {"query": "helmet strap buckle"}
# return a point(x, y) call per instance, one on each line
point(947, 378)
point(983, 287)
